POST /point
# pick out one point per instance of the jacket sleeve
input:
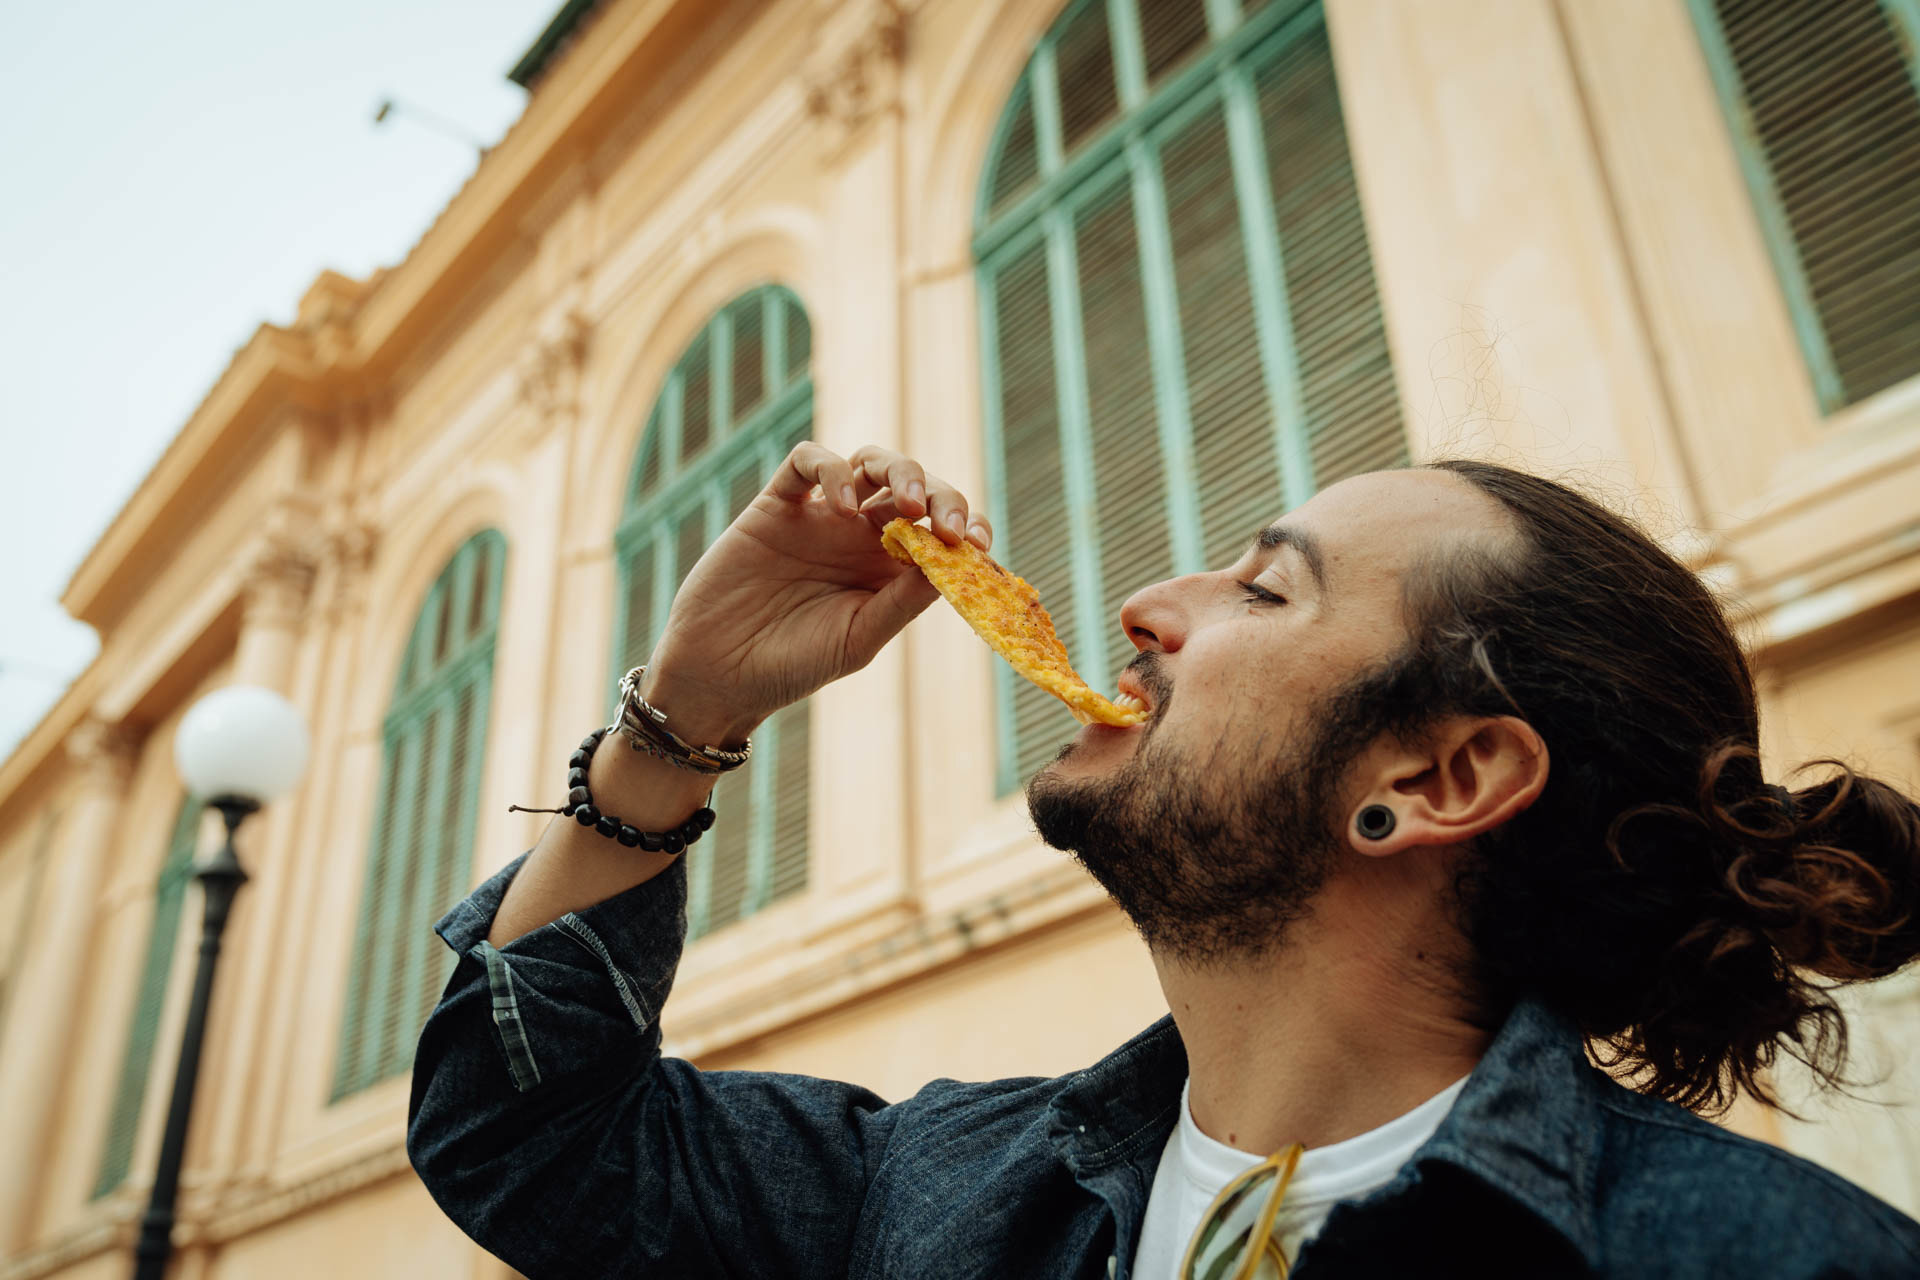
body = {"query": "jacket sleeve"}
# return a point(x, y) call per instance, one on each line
point(546, 1124)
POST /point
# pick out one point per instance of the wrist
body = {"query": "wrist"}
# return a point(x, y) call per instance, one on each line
point(695, 712)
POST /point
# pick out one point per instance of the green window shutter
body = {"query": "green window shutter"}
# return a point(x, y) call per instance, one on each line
point(1347, 394)
point(1824, 103)
point(1017, 152)
point(136, 1062)
point(1181, 330)
point(732, 407)
point(1170, 32)
point(421, 853)
point(1083, 60)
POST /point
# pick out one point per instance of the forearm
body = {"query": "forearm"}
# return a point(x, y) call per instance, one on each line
point(545, 1122)
point(573, 867)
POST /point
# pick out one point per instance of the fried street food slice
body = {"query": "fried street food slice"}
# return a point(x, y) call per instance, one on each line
point(1006, 612)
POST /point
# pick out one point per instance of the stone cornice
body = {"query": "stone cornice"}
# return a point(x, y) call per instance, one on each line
point(243, 1211)
point(238, 1213)
point(73, 1247)
point(274, 371)
point(351, 335)
point(634, 42)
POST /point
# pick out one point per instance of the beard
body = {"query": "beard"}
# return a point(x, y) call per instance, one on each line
point(1210, 859)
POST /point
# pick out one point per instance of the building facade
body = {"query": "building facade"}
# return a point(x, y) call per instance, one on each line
point(1138, 274)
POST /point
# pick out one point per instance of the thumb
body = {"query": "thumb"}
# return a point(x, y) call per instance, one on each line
point(888, 610)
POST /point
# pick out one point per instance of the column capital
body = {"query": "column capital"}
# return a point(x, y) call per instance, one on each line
point(103, 749)
point(855, 79)
point(550, 372)
point(347, 556)
point(277, 579)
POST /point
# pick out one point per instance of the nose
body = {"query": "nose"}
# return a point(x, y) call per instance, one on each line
point(1156, 617)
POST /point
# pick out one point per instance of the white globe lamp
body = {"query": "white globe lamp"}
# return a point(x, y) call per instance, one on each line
point(242, 742)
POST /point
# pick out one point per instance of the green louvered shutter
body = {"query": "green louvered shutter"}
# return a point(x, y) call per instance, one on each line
point(421, 853)
point(136, 1061)
point(1181, 331)
point(1824, 100)
point(734, 404)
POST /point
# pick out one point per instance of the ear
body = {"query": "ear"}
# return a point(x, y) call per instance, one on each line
point(1472, 775)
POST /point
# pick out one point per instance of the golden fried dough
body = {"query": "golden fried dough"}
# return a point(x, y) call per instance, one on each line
point(1006, 612)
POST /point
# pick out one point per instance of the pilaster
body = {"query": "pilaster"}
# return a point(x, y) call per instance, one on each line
point(854, 82)
point(47, 991)
point(278, 650)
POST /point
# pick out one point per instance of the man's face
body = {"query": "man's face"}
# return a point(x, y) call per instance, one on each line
point(1215, 822)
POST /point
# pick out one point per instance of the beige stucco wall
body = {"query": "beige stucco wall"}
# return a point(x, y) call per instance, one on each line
point(1571, 277)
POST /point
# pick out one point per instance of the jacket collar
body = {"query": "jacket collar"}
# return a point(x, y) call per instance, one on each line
point(1527, 1123)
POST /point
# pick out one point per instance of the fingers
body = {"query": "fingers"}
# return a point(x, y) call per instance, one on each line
point(911, 493)
point(811, 464)
point(880, 484)
point(885, 469)
point(881, 508)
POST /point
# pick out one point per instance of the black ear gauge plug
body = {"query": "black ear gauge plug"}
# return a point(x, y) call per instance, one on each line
point(1375, 822)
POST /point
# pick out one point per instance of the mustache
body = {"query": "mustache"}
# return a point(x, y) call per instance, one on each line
point(1149, 668)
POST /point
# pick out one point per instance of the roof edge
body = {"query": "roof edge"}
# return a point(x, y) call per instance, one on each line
point(548, 44)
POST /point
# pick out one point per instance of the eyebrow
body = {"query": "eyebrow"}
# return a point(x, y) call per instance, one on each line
point(1278, 535)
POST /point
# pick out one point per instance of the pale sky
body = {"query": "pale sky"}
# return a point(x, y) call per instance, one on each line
point(173, 175)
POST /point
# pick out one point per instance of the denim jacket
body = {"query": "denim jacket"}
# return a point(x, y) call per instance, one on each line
point(546, 1123)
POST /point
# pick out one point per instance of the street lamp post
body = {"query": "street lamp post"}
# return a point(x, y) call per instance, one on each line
point(240, 746)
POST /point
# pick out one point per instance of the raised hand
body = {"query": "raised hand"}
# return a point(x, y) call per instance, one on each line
point(797, 591)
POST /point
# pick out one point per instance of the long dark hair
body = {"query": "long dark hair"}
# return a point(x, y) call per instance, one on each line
point(1689, 916)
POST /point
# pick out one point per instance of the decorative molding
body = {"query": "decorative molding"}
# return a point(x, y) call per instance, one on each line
point(550, 374)
point(794, 988)
point(277, 580)
point(860, 80)
point(701, 240)
point(104, 749)
point(236, 1216)
point(280, 567)
point(346, 559)
point(73, 1247)
point(254, 1208)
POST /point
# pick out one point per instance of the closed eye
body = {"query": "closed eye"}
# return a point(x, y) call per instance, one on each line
point(1258, 594)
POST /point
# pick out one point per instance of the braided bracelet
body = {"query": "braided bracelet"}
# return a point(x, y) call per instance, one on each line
point(581, 809)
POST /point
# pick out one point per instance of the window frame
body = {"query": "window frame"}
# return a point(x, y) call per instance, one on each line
point(1128, 149)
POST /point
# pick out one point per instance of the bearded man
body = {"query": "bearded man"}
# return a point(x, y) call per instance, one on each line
point(1448, 788)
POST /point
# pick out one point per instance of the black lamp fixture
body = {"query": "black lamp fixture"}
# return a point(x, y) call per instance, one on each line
point(240, 747)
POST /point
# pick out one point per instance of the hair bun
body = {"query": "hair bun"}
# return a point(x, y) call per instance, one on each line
point(1855, 861)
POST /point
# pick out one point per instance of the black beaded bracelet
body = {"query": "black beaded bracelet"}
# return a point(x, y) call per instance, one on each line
point(581, 809)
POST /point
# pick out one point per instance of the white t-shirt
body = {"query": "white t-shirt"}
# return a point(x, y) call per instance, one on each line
point(1194, 1168)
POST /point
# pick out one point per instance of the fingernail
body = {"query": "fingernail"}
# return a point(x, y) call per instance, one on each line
point(847, 499)
point(916, 492)
point(959, 526)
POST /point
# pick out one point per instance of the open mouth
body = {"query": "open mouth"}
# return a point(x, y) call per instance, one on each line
point(1132, 705)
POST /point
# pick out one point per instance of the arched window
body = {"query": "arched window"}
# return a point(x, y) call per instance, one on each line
point(434, 742)
point(735, 403)
point(1180, 332)
point(1824, 103)
point(136, 1062)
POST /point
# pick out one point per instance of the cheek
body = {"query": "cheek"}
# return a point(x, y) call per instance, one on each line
point(1240, 694)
